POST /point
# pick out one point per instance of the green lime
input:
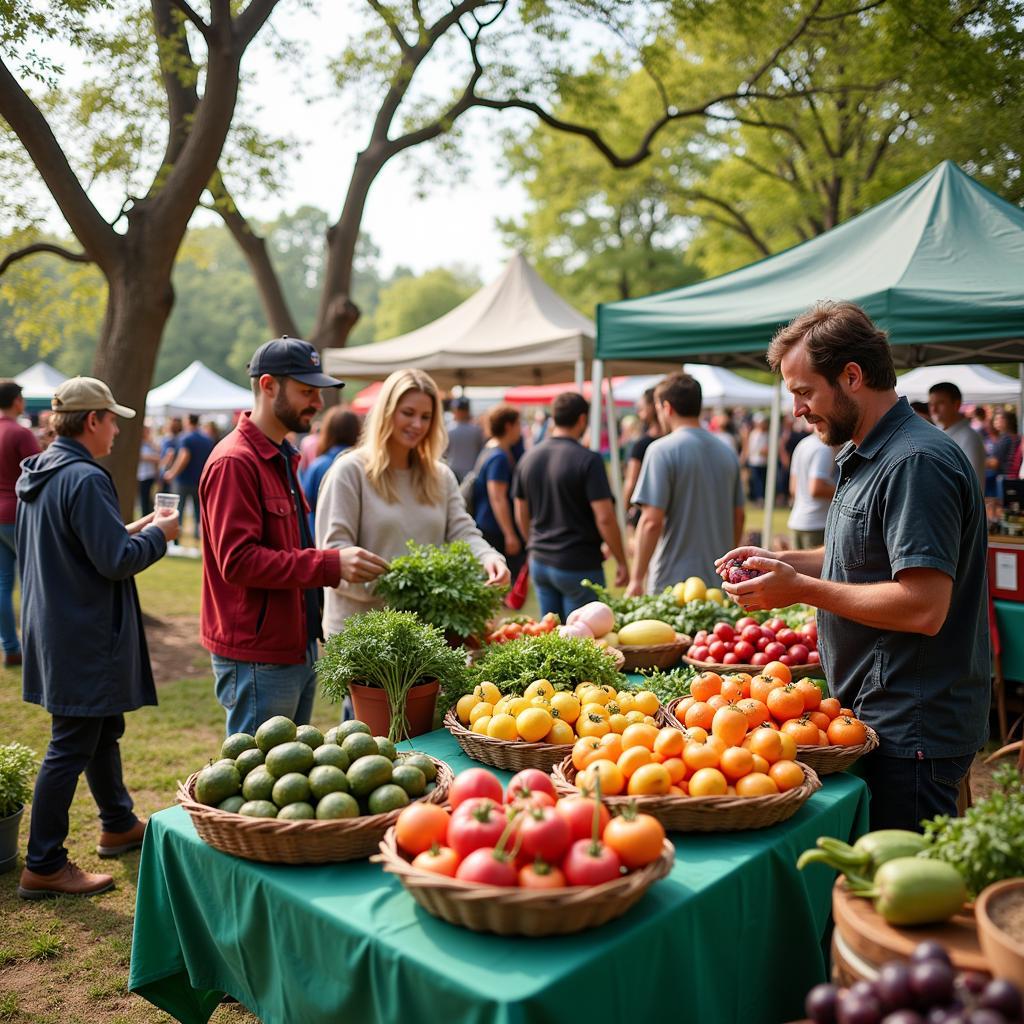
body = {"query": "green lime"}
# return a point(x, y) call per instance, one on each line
point(275, 731)
point(367, 773)
point(289, 757)
point(326, 778)
point(258, 784)
point(410, 778)
point(425, 765)
point(350, 727)
point(236, 743)
point(385, 747)
point(331, 753)
point(387, 798)
point(217, 782)
point(258, 809)
point(249, 759)
point(359, 744)
point(337, 805)
point(231, 804)
point(331, 736)
point(290, 789)
point(298, 811)
point(310, 735)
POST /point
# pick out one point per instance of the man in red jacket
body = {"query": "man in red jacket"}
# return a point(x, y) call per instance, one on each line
point(263, 579)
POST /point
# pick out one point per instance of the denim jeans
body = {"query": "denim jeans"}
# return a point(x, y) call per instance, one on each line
point(906, 790)
point(8, 566)
point(253, 691)
point(77, 745)
point(561, 590)
point(189, 496)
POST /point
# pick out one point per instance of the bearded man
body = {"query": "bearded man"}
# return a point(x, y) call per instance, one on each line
point(263, 578)
point(900, 582)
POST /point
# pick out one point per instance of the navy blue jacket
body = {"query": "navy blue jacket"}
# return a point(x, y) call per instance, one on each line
point(82, 637)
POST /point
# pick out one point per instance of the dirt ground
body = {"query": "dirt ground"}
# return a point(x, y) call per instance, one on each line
point(174, 648)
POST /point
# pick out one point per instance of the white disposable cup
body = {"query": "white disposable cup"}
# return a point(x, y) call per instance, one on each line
point(166, 504)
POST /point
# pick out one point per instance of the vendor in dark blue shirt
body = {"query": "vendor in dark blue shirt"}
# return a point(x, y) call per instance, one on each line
point(194, 449)
point(492, 500)
point(900, 584)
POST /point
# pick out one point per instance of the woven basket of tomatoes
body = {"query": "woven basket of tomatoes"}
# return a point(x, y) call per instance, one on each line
point(815, 729)
point(748, 646)
point(523, 861)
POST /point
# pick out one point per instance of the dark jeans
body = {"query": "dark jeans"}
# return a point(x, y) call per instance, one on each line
point(189, 494)
point(76, 745)
point(561, 590)
point(146, 496)
point(756, 481)
point(905, 791)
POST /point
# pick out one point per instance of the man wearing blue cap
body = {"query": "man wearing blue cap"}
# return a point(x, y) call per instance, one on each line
point(263, 579)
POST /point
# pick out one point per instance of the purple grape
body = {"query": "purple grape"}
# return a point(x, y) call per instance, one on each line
point(1002, 996)
point(893, 986)
point(737, 572)
point(858, 1009)
point(931, 981)
point(863, 988)
point(903, 1017)
point(939, 1015)
point(983, 1015)
point(820, 1004)
point(930, 950)
point(973, 982)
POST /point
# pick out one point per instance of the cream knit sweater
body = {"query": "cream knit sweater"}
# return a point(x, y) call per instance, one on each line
point(349, 512)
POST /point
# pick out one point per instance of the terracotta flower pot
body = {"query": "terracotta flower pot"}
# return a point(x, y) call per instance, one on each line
point(1003, 951)
point(9, 839)
point(370, 705)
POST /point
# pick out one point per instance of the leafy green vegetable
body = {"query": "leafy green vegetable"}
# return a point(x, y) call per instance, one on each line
point(391, 650)
point(17, 766)
point(444, 586)
point(672, 683)
point(986, 845)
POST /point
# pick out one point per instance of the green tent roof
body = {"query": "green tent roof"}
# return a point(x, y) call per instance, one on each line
point(940, 265)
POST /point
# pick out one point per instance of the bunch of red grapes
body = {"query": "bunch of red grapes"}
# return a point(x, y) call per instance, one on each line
point(927, 990)
point(737, 572)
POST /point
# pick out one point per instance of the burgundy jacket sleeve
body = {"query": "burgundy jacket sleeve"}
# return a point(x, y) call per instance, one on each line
point(233, 523)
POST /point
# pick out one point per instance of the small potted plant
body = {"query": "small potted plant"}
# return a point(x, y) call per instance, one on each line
point(17, 766)
point(444, 586)
point(392, 665)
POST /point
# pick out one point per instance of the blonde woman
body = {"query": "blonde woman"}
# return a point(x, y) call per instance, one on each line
point(393, 488)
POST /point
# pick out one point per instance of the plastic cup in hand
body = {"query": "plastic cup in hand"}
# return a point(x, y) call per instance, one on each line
point(166, 504)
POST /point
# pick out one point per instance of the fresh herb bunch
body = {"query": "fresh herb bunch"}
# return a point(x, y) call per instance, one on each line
point(986, 845)
point(17, 766)
point(445, 586)
point(672, 683)
point(391, 650)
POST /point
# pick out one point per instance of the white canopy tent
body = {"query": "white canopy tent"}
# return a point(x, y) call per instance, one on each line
point(977, 383)
point(38, 384)
point(197, 389)
point(515, 330)
point(720, 388)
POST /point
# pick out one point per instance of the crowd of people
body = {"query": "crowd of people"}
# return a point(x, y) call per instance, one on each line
point(300, 513)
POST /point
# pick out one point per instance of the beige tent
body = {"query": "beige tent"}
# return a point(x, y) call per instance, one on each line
point(515, 330)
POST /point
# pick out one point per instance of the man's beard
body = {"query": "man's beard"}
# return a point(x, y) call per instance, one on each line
point(293, 419)
point(839, 427)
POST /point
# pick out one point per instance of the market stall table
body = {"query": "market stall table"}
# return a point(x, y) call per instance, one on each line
point(734, 933)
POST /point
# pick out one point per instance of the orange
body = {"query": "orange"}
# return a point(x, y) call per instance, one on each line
point(785, 703)
point(760, 764)
point(767, 743)
point(612, 780)
point(737, 762)
point(755, 710)
point(649, 780)
point(811, 694)
point(802, 730)
point(789, 746)
point(676, 768)
point(584, 751)
point(700, 714)
point(786, 775)
point(708, 782)
point(762, 685)
point(669, 742)
point(729, 725)
point(639, 735)
point(646, 702)
point(634, 758)
point(700, 755)
point(732, 690)
point(756, 784)
point(779, 670)
point(706, 684)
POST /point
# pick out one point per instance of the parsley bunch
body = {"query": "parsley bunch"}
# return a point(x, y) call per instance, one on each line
point(445, 586)
point(17, 766)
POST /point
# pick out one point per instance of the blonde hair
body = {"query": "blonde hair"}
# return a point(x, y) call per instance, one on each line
point(424, 459)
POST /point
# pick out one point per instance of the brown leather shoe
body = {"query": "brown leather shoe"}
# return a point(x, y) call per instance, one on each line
point(113, 844)
point(71, 880)
point(12, 660)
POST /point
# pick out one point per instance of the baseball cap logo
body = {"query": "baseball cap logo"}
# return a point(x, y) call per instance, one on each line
point(314, 357)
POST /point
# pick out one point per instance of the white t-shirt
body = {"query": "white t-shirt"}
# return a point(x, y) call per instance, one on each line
point(812, 460)
point(971, 445)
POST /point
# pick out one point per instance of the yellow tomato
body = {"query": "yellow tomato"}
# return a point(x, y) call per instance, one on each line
point(595, 709)
point(619, 723)
point(646, 702)
point(561, 732)
point(517, 704)
point(566, 706)
point(592, 725)
point(488, 692)
point(539, 688)
point(540, 702)
point(635, 717)
point(503, 727)
point(708, 782)
point(533, 724)
point(612, 780)
point(501, 708)
point(465, 706)
point(649, 779)
point(625, 701)
point(788, 746)
point(594, 695)
point(650, 720)
point(481, 709)
point(480, 725)
point(639, 735)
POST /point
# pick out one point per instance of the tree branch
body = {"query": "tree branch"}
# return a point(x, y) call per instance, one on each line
point(841, 15)
point(56, 250)
point(197, 22)
point(739, 223)
point(389, 19)
point(251, 20)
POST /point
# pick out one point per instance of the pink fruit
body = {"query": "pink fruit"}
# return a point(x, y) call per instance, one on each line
point(800, 653)
point(775, 650)
point(760, 659)
point(724, 631)
point(744, 651)
point(700, 653)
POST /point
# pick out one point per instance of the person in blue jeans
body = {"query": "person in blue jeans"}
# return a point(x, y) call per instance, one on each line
point(564, 508)
point(194, 449)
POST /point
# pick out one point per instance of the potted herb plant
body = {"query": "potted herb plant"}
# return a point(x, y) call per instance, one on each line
point(392, 665)
point(17, 766)
point(444, 586)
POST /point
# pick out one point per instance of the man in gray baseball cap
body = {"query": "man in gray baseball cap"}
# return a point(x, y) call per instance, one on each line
point(84, 649)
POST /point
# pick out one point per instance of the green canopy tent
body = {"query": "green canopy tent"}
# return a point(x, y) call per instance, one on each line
point(939, 265)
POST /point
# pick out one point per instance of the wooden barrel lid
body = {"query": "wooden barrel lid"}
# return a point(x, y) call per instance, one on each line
point(863, 931)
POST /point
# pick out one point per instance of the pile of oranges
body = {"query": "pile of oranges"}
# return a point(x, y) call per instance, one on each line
point(545, 715)
point(771, 700)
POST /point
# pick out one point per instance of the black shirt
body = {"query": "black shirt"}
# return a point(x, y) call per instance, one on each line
point(640, 446)
point(315, 595)
point(558, 479)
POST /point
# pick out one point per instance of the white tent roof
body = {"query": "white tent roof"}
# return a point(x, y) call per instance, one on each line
point(720, 388)
point(516, 330)
point(977, 383)
point(197, 389)
point(40, 380)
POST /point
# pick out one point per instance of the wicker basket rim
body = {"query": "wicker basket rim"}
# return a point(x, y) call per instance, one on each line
point(829, 748)
point(710, 666)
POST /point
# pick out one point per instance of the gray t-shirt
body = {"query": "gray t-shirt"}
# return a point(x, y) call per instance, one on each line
point(465, 442)
point(970, 444)
point(695, 479)
point(812, 460)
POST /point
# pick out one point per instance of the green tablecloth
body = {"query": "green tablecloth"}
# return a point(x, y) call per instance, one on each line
point(733, 934)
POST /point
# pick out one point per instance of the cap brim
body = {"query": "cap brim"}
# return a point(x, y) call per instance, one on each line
point(317, 380)
point(123, 411)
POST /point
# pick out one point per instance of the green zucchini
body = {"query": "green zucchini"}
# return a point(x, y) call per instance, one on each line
point(915, 890)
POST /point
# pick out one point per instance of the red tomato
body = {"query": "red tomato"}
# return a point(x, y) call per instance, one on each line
point(746, 621)
point(744, 650)
point(474, 782)
point(543, 835)
point(799, 653)
point(700, 653)
point(775, 650)
point(751, 633)
point(775, 624)
point(488, 867)
point(787, 637)
point(529, 780)
point(578, 812)
point(440, 860)
point(534, 799)
point(590, 863)
point(482, 826)
point(421, 826)
point(716, 651)
point(724, 631)
point(541, 876)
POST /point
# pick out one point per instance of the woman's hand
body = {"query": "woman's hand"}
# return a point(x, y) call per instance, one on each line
point(497, 571)
point(361, 566)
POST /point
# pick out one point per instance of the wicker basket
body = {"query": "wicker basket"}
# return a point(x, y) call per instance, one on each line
point(513, 911)
point(509, 755)
point(655, 655)
point(797, 671)
point(705, 813)
point(296, 842)
point(824, 760)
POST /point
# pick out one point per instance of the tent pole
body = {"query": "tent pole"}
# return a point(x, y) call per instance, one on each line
point(595, 406)
point(616, 466)
point(773, 463)
point(581, 375)
point(1020, 396)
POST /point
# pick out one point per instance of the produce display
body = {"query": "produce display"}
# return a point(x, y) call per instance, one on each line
point(524, 836)
point(545, 715)
point(296, 773)
point(925, 990)
point(748, 642)
point(513, 629)
point(772, 700)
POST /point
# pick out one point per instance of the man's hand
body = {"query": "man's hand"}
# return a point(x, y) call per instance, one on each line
point(169, 524)
point(139, 524)
point(497, 571)
point(635, 588)
point(778, 587)
point(741, 555)
point(621, 574)
point(512, 544)
point(360, 566)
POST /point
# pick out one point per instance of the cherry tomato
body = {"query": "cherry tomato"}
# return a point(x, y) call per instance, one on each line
point(488, 867)
point(440, 860)
point(474, 782)
point(590, 863)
